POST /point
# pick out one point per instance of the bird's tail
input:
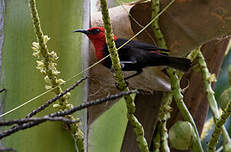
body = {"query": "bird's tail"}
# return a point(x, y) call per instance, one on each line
point(178, 63)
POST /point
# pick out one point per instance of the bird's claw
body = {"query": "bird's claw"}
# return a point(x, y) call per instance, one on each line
point(117, 86)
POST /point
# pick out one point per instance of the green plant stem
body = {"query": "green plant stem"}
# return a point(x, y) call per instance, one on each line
point(175, 83)
point(167, 98)
point(74, 128)
point(156, 28)
point(218, 128)
point(175, 79)
point(210, 94)
point(138, 128)
point(156, 141)
point(164, 115)
point(43, 46)
point(207, 83)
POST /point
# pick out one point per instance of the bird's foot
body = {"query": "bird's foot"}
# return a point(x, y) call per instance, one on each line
point(119, 88)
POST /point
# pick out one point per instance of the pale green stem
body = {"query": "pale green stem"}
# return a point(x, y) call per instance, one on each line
point(175, 79)
point(156, 141)
point(138, 128)
point(210, 94)
point(175, 83)
point(156, 28)
point(164, 115)
point(74, 128)
point(218, 129)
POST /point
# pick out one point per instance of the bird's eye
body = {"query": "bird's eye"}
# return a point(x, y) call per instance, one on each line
point(95, 31)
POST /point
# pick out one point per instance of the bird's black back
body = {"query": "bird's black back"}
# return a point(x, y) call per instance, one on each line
point(139, 52)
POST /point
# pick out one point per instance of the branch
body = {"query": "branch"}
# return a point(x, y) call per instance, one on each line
point(45, 105)
point(31, 122)
point(45, 118)
point(57, 116)
point(92, 103)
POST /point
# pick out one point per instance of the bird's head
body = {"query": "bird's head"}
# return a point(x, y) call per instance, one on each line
point(97, 37)
point(94, 33)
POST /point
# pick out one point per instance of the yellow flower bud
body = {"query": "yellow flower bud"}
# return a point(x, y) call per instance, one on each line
point(40, 63)
point(56, 105)
point(55, 72)
point(48, 87)
point(46, 38)
point(60, 81)
point(47, 79)
point(36, 45)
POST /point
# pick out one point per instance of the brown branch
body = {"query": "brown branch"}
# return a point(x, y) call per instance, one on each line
point(57, 116)
point(26, 120)
point(32, 123)
point(45, 105)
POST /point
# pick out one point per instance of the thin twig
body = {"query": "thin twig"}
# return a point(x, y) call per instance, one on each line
point(42, 107)
point(92, 103)
point(45, 118)
point(33, 123)
point(63, 113)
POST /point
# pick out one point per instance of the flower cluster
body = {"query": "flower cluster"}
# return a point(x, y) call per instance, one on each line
point(48, 68)
point(46, 64)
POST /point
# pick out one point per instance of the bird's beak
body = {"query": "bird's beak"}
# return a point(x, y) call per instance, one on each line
point(82, 31)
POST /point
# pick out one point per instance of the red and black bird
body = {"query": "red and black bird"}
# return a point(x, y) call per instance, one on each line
point(135, 55)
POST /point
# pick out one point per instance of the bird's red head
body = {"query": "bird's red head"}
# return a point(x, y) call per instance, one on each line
point(96, 34)
point(97, 37)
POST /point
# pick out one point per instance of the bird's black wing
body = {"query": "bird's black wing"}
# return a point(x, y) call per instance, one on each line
point(131, 57)
point(141, 45)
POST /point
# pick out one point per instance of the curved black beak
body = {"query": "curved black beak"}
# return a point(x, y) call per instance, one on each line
point(82, 31)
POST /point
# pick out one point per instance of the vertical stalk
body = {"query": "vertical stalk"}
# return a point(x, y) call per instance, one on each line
point(208, 79)
point(138, 128)
point(174, 78)
point(218, 129)
point(50, 72)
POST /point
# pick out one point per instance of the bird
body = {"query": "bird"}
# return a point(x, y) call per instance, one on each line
point(135, 55)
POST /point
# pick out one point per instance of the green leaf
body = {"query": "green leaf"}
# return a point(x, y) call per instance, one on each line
point(107, 132)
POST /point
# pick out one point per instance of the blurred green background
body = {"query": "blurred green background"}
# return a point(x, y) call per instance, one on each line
point(23, 81)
